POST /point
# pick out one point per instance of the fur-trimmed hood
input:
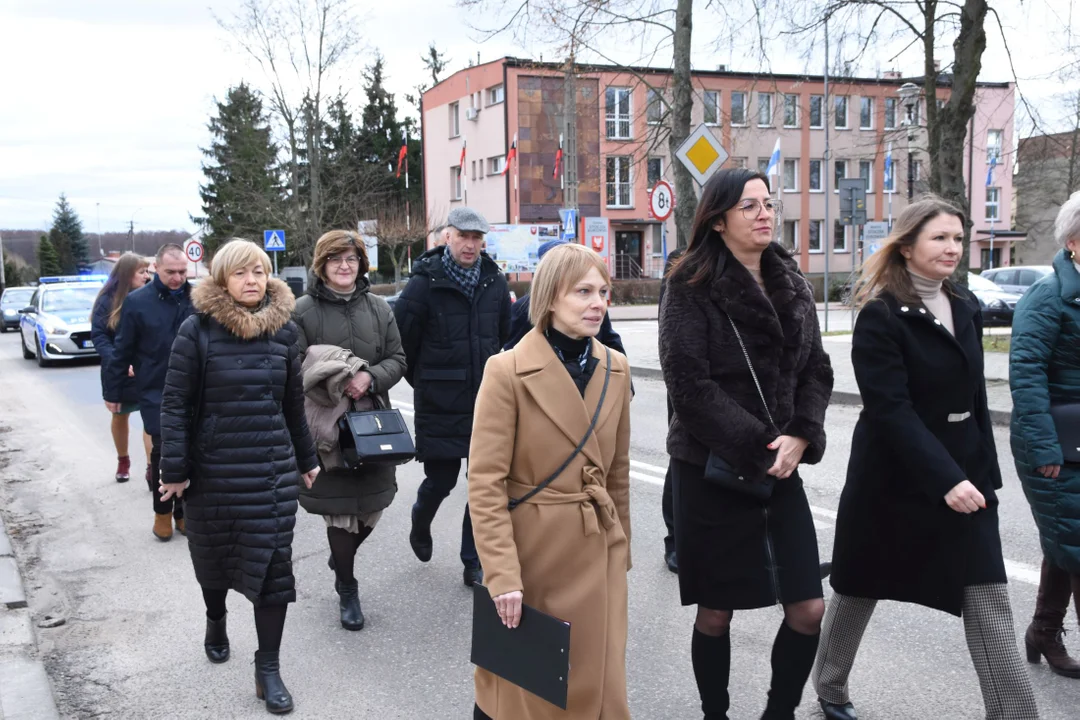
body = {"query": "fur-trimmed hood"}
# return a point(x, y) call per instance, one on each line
point(215, 302)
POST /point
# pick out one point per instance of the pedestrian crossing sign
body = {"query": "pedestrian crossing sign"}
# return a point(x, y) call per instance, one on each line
point(274, 240)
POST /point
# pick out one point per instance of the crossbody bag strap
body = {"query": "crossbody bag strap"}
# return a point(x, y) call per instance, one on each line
point(753, 374)
point(514, 502)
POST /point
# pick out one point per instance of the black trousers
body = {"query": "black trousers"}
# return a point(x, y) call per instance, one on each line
point(667, 504)
point(173, 506)
point(441, 477)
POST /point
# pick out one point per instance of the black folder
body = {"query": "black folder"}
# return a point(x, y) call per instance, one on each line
point(535, 655)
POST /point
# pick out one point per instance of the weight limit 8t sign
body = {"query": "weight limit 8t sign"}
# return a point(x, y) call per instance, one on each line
point(661, 201)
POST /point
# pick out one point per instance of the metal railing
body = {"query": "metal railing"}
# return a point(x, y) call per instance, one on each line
point(627, 268)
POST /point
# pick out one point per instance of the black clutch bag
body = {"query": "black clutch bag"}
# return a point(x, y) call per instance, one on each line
point(720, 472)
point(1067, 422)
point(375, 437)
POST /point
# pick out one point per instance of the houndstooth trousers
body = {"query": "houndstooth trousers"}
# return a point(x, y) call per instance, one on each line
point(991, 640)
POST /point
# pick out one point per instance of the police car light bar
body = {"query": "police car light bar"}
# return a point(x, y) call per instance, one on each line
point(72, 279)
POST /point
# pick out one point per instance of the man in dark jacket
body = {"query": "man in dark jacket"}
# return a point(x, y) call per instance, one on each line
point(453, 315)
point(149, 321)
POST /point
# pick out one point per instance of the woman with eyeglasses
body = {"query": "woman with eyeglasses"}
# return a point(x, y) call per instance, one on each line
point(749, 384)
point(339, 313)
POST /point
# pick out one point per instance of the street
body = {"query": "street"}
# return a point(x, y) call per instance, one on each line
point(132, 643)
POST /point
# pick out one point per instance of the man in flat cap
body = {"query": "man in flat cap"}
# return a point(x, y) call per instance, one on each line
point(453, 315)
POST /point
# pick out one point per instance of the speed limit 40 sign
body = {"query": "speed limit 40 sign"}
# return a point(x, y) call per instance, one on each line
point(662, 201)
point(194, 251)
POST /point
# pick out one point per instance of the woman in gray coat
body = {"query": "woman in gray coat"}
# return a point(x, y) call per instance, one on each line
point(339, 310)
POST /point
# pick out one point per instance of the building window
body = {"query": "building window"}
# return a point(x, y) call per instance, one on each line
point(711, 101)
point(654, 107)
point(764, 109)
point(817, 117)
point(814, 245)
point(496, 95)
point(455, 182)
point(866, 113)
point(617, 101)
point(739, 162)
point(618, 181)
point(993, 202)
point(912, 112)
point(839, 173)
point(473, 169)
point(890, 177)
point(791, 175)
point(993, 145)
point(866, 172)
point(655, 170)
point(890, 113)
point(496, 165)
point(791, 111)
point(815, 175)
point(791, 235)
point(455, 128)
point(763, 165)
point(840, 237)
point(840, 105)
point(738, 108)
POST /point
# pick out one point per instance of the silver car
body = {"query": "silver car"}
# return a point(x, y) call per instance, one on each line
point(1017, 278)
point(56, 323)
point(13, 300)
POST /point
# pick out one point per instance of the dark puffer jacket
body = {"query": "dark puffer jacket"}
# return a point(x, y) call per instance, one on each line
point(104, 338)
point(448, 338)
point(245, 457)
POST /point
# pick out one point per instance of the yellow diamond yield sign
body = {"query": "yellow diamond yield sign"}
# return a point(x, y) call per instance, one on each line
point(702, 154)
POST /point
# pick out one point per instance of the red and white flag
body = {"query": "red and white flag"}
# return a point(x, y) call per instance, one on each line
point(558, 160)
point(511, 156)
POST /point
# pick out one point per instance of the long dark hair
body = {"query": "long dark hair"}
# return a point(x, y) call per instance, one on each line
point(721, 193)
point(119, 283)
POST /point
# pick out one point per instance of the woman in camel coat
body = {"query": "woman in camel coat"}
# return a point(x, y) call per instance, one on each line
point(566, 550)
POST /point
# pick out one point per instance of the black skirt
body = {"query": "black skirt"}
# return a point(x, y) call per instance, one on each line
point(739, 553)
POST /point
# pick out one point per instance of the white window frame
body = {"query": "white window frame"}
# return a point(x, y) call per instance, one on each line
point(994, 149)
point(621, 162)
point(654, 101)
point(870, 178)
point(763, 164)
point(617, 119)
point(845, 100)
point(794, 234)
point(715, 107)
point(745, 108)
point(455, 183)
point(995, 203)
point(764, 109)
point(820, 225)
point(821, 112)
point(496, 165)
point(455, 119)
point(795, 98)
point(845, 235)
point(649, 161)
point(866, 103)
point(794, 162)
point(847, 168)
point(820, 175)
point(895, 102)
point(496, 94)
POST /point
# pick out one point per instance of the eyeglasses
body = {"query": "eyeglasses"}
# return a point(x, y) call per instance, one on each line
point(750, 209)
point(338, 261)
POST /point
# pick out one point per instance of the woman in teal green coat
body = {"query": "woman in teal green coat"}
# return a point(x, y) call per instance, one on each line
point(1044, 370)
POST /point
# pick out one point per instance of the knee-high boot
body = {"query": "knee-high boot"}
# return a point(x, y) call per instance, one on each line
point(711, 656)
point(792, 657)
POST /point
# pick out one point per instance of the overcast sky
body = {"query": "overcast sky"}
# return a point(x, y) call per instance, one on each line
point(108, 100)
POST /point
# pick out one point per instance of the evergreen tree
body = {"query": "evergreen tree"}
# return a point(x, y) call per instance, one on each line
point(343, 169)
point(11, 274)
point(48, 260)
point(242, 194)
point(67, 237)
point(380, 131)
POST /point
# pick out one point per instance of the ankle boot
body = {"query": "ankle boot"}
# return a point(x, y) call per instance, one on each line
point(180, 526)
point(792, 658)
point(711, 657)
point(420, 535)
point(352, 617)
point(163, 526)
point(268, 683)
point(1044, 641)
point(123, 469)
point(217, 641)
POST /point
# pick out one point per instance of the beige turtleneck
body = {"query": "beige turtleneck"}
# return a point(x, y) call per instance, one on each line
point(936, 301)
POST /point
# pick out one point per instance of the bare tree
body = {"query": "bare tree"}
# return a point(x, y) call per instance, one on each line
point(397, 232)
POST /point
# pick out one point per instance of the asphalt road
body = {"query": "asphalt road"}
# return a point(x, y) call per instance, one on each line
point(132, 643)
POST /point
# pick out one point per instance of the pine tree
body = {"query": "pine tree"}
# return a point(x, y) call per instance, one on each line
point(242, 194)
point(48, 260)
point(380, 131)
point(68, 238)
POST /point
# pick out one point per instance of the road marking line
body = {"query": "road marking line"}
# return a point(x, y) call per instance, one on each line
point(645, 466)
point(1022, 572)
point(651, 479)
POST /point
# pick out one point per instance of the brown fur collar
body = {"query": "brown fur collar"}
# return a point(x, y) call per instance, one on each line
point(214, 301)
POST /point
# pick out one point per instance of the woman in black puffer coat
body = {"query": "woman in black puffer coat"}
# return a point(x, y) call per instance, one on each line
point(235, 445)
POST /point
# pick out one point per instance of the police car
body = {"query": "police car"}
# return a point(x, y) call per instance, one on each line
point(56, 323)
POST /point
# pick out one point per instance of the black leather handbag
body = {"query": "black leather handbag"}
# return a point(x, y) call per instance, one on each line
point(375, 437)
point(1067, 422)
point(720, 472)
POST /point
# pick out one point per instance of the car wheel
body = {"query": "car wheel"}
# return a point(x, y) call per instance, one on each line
point(27, 355)
point(41, 360)
point(3, 328)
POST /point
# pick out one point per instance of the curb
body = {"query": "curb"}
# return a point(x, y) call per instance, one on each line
point(839, 397)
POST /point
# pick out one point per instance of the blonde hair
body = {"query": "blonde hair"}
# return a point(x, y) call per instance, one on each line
point(232, 256)
point(559, 270)
point(334, 242)
point(886, 269)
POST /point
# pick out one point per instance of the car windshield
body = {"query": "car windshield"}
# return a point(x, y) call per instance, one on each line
point(17, 298)
point(977, 282)
point(69, 299)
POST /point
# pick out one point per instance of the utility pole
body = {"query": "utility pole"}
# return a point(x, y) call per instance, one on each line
point(570, 164)
point(3, 277)
point(131, 234)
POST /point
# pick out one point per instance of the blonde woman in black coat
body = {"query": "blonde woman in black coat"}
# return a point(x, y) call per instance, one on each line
point(236, 447)
point(918, 518)
point(736, 551)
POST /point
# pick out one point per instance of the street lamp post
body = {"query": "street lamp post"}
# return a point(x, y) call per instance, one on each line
point(909, 95)
point(131, 229)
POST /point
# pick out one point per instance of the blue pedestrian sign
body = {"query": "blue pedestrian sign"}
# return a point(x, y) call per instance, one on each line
point(568, 216)
point(274, 240)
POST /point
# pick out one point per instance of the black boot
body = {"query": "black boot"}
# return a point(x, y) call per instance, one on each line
point(792, 658)
point(268, 683)
point(217, 641)
point(420, 535)
point(711, 657)
point(352, 617)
